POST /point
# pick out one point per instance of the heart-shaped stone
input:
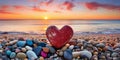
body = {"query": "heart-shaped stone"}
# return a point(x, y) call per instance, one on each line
point(59, 38)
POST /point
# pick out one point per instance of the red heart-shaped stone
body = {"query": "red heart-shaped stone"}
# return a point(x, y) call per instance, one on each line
point(59, 38)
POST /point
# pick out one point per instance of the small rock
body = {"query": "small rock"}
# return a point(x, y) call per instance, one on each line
point(21, 43)
point(68, 54)
point(43, 54)
point(75, 54)
point(37, 50)
point(42, 44)
point(21, 55)
point(41, 58)
point(71, 47)
point(52, 50)
point(29, 42)
point(60, 53)
point(45, 49)
point(8, 52)
point(31, 55)
point(23, 49)
point(28, 47)
point(12, 55)
point(86, 54)
point(17, 50)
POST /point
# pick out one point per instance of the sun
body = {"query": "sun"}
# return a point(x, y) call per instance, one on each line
point(45, 17)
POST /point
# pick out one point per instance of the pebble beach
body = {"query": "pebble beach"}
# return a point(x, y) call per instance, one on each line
point(80, 47)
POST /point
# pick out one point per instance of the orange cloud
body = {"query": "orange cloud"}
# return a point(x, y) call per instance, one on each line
point(68, 5)
point(38, 9)
point(20, 7)
point(6, 12)
point(94, 6)
point(5, 7)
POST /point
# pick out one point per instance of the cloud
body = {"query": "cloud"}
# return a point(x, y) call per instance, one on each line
point(35, 8)
point(68, 5)
point(57, 11)
point(20, 7)
point(46, 3)
point(5, 7)
point(95, 5)
point(32, 0)
point(7, 12)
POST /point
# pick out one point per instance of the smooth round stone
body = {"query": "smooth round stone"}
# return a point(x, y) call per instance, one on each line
point(117, 50)
point(17, 50)
point(75, 54)
point(29, 42)
point(1, 50)
point(41, 58)
point(71, 47)
point(28, 47)
point(12, 55)
point(43, 54)
point(5, 58)
point(45, 49)
point(100, 45)
point(8, 52)
point(76, 47)
point(21, 43)
point(85, 53)
point(68, 54)
point(21, 55)
point(37, 50)
point(114, 54)
point(13, 42)
point(31, 55)
point(60, 53)
point(42, 44)
point(23, 49)
point(51, 49)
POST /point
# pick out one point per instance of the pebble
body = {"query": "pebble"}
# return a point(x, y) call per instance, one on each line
point(68, 54)
point(101, 45)
point(21, 43)
point(21, 55)
point(43, 54)
point(8, 52)
point(41, 58)
point(17, 50)
point(29, 42)
point(71, 47)
point(60, 53)
point(37, 50)
point(85, 53)
point(31, 55)
point(24, 50)
point(51, 49)
point(12, 55)
point(42, 44)
point(13, 42)
point(45, 49)
point(28, 47)
point(75, 54)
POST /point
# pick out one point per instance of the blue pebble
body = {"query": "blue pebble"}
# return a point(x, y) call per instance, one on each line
point(37, 50)
point(42, 44)
point(12, 55)
point(52, 50)
point(76, 47)
point(8, 52)
point(29, 42)
point(21, 43)
point(31, 55)
point(68, 54)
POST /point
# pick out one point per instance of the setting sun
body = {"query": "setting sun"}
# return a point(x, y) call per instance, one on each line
point(45, 17)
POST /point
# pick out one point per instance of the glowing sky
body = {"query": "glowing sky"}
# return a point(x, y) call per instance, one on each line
point(60, 9)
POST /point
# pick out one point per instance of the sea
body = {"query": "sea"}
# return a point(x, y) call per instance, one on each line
point(78, 26)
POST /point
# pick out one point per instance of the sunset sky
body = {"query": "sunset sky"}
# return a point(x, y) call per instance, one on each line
point(59, 9)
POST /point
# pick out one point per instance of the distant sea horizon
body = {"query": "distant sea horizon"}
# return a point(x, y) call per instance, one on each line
point(79, 26)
